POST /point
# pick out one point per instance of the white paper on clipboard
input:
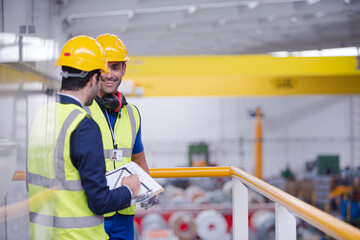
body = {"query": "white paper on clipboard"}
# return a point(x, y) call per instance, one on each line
point(149, 187)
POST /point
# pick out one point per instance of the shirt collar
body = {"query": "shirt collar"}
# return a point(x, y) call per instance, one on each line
point(64, 98)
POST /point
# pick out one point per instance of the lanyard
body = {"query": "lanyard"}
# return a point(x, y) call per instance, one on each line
point(111, 129)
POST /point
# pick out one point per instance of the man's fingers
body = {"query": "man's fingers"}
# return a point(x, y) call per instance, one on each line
point(133, 182)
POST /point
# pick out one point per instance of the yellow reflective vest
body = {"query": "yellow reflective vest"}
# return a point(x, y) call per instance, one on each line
point(49, 166)
point(126, 128)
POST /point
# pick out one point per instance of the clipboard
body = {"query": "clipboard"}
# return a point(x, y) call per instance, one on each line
point(149, 187)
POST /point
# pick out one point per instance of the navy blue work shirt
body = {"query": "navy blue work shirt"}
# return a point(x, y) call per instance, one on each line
point(138, 145)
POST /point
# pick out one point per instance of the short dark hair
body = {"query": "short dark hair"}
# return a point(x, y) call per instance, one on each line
point(77, 83)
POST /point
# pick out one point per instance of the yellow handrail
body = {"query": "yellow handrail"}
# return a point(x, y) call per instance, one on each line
point(323, 221)
point(190, 172)
point(168, 172)
point(316, 217)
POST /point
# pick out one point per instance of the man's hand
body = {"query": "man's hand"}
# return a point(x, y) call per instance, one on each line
point(133, 183)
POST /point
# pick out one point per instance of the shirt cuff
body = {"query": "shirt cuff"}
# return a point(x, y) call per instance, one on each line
point(129, 190)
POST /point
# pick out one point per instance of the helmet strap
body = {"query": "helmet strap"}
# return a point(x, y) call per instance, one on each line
point(66, 74)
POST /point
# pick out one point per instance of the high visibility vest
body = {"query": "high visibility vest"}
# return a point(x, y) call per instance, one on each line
point(49, 166)
point(125, 129)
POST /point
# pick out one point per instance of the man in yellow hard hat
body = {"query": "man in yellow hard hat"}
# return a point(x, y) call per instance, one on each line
point(65, 153)
point(120, 126)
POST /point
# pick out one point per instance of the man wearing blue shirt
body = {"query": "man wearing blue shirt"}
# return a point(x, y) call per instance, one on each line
point(65, 154)
point(120, 126)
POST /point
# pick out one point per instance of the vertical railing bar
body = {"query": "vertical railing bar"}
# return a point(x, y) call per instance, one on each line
point(240, 209)
point(285, 224)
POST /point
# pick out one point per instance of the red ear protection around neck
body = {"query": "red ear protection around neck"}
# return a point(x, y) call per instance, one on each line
point(119, 96)
point(113, 102)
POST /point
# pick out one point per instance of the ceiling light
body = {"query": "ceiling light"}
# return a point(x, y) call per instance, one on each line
point(296, 54)
point(253, 4)
point(330, 52)
point(34, 48)
point(130, 14)
point(346, 51)
point(310, 53)
point(311, 2)
point(280, 54)
point(192, 10)
point(7, 38)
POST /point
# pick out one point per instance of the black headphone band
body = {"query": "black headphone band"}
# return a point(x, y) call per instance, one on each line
point(111, 102)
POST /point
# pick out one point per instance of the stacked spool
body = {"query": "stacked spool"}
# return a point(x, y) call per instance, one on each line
point(263, 225)
point(211, 225)
point(183, 225)
point(174, 195)
point(195, 194)
point(153, 221)
point(155, 227)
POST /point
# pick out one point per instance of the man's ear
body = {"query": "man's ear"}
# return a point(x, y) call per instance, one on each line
point(124, 68)
point(93, 79)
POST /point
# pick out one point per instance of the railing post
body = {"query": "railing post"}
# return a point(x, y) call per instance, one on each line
point(285, 228)
point(240, 210)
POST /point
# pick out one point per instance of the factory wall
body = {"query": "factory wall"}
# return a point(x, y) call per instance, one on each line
point(295, 130)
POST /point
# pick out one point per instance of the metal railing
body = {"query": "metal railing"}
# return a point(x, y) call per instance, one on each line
point(286, 205)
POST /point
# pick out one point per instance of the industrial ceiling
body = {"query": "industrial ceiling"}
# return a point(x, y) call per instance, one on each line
point(212, 27)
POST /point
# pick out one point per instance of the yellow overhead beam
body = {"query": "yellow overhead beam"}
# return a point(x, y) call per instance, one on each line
point(237, 75)
point(10, 75)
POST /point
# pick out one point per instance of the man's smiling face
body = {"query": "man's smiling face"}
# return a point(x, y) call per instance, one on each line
point(111, 82)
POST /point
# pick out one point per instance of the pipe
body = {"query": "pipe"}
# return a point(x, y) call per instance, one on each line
point(258, 145)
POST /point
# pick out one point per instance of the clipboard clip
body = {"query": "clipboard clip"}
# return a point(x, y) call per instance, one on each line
point(142, 197)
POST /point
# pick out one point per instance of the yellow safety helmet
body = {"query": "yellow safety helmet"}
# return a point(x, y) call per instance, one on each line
point(83, 53)
point(115, 49)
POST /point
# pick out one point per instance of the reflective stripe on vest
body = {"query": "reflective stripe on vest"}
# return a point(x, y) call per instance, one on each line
point(66, 222)
point(125, 130)
point(133, 124)
point(64, 217)
point(59, 180)
point(60, 184)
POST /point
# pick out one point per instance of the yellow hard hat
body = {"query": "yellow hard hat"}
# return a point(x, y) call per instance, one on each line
point(83, 53)
point(115, 49)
